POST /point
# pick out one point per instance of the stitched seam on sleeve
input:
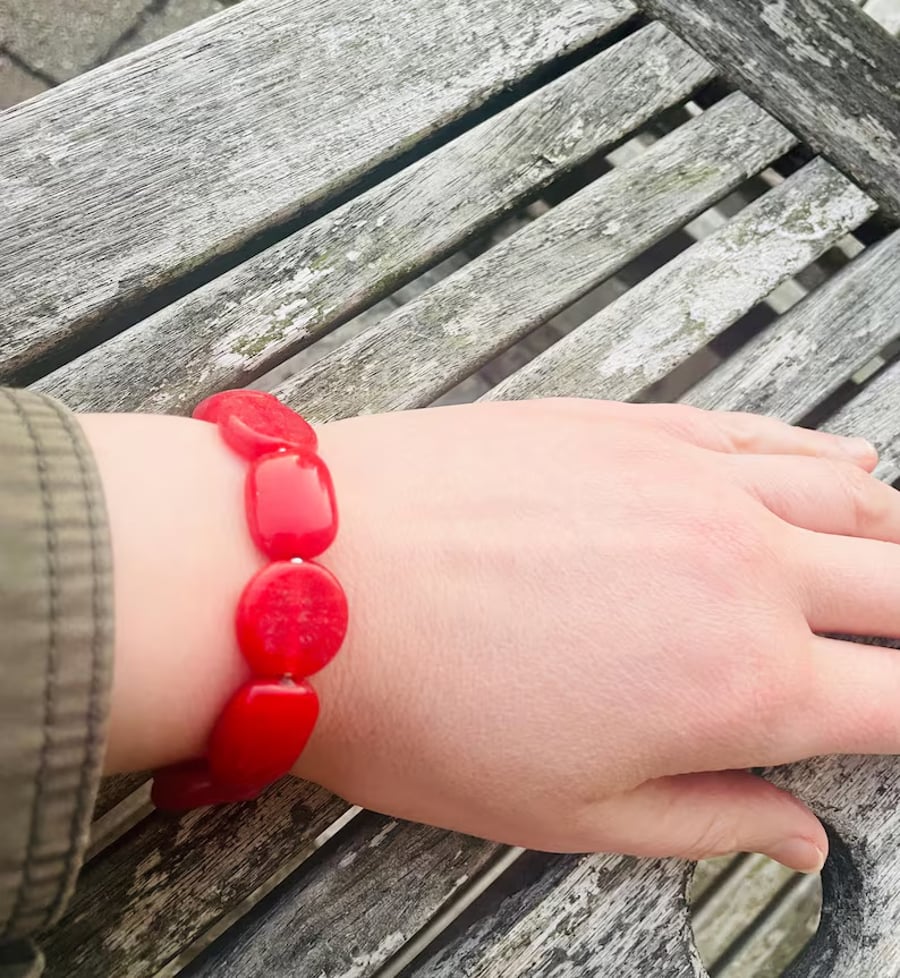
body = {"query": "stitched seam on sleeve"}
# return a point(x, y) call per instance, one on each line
point(93, 721)
point(50, 670)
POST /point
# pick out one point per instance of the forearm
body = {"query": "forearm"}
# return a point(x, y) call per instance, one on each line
point(181, 556)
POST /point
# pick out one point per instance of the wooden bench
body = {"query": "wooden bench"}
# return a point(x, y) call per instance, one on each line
point(299, 175)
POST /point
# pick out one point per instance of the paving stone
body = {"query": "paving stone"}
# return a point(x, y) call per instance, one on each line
point(62, 38)
point(17, 85)
point(176, 15)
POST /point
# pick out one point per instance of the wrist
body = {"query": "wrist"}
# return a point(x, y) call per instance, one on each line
point(181, 557)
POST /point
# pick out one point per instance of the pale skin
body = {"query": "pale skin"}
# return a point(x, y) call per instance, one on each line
point(574, 625)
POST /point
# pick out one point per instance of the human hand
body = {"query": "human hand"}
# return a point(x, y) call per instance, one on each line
point(573, 623)
point(567, 617)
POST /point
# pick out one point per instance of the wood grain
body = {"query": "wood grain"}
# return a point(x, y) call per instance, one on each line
point(420, 351)
point(287, 296)
point(134, 174)
point(162, 886)
point(817, 345)
point(122, 802)
point(875, 414)
point(823, 67)
point(115, 789)
point(770, 943)
point(710, 875)
point(599, 915)
point(603, 915)
point(347, 915)
point(111, 825)
point(743, 896)
point(674, 312)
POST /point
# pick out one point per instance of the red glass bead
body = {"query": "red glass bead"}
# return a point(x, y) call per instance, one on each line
point(291, 510)
point(261, 732)
point(291, 619)
point(256, 423)
point(189, 785)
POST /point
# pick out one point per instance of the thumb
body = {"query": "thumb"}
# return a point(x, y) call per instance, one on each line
point(696, 816)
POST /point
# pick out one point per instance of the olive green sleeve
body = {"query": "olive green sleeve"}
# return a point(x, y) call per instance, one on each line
point(55, 662)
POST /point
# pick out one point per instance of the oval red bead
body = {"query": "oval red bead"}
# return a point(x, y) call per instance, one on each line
point(291, 510)
point(190, 785)
point(256, 423)
point(261, 732)
point(291, 619)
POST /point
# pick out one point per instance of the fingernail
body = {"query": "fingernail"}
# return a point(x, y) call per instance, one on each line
point(858, 448)
point(799, 854)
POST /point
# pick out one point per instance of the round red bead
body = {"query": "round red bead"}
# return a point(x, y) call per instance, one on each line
point(291, 619)
point(256, 423)
point(261, 732)
point(189, 785)
point(291, 510)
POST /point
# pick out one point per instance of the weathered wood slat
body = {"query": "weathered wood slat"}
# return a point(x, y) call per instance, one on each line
point(132, 175)
point(359, 323)
point(527, 278)
point(347, 915)
point(229, 331)
point(600, 915)
point(610, 915)
point(823, 67)
point(160, 888)
point(677, 310)
point(751, 917)
point(122, 801)
point(503, 872)
point(817, 345)
point(112, 824)
point(743, 896)
point(115, 789)
point(875, 413)
point(709, 876)
point(773, 941)
point(856, 797)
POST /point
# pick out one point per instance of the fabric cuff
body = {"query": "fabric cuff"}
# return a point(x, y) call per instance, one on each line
point(55, 655)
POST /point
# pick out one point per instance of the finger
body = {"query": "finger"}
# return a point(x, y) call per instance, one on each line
point(696, 816)
point(754, 434)
point(825, 495)
point(848, 585)
point(850, 706)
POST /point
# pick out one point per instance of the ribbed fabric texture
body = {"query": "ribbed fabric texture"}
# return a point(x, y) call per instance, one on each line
point(56, 633)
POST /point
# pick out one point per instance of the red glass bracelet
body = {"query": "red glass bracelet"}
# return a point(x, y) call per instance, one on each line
point(291, 617)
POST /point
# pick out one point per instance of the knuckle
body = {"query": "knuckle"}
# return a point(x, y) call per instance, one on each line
point(742, 432)
point(684, 414)
point(865, 505)
point(681, 421)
